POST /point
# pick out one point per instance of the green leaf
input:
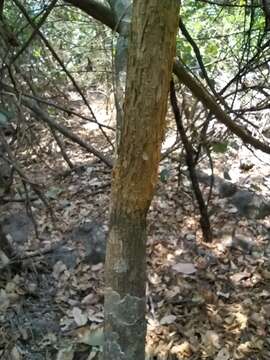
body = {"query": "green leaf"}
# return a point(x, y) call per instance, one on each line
point(219, 147)
point(37, 53)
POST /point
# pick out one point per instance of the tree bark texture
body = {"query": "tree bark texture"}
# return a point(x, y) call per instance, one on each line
point(150, 60)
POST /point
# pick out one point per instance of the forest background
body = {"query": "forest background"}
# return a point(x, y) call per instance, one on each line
point(63, 81)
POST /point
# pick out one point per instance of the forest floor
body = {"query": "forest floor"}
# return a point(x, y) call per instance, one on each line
point(204, 301)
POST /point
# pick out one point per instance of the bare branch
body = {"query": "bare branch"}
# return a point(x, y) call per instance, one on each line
point(199, 91)
point(97, 10)
point(204, 220)
point(62, 65)
point(35, 31)
point(2, 2)
point(41, 114)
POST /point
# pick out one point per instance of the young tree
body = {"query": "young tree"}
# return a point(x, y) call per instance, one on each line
point(150, 59)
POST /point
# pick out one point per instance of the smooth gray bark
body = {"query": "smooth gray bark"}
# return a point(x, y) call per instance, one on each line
point(122, 10)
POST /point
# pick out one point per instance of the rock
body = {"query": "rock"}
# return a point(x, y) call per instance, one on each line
point(240, 242)
point(250, 204)
point(64, 254)
point(226, 174)
point(242, 200)
point(19, 226)
point(247, 203)
point(244, 243)
point(44, 325)
point(226, 189)
point(190, 237)
point(93, 237)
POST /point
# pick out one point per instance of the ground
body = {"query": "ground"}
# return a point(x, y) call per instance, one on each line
point(204, 301)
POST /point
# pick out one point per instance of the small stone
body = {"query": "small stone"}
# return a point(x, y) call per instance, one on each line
point(190, 237)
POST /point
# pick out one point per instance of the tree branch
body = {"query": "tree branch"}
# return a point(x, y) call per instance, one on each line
point(210, 103)
point(104, 14)
point(41, 114)
point(226, 3)
point(97, 10)
point(204, 220)
point(35, 31)
point(60, 62)
point(1, 9)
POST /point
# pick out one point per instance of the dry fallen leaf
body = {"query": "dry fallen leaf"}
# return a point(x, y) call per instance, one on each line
point(185, 268)
point(92, 355)
point(167, 320)
point(223, 354)
point(15, 354)
point(4, 260)
point(266, 274)
point(97, 267)
point(58, 268)
point(4, 301)
point(66, 354)
point(96, 317)
point(184, 349)
point(236, 278)
point(241, 319)
point(89, 299)
point(90, 336)
point(211, 339)
point(79, 317)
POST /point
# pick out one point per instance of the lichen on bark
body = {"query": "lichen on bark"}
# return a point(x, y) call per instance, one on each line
point(126, 318)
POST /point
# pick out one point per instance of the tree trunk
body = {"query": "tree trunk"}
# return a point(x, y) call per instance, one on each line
point(150, 60)
point(122, 10)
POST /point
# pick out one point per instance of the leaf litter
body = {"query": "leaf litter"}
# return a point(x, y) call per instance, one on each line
point(204, 301)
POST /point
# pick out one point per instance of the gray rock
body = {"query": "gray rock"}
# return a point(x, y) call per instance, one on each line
point(93, 237)
point(247, 203)
point(42, 326)
point(19, 226)
point(227, 189)
point(64, 254)
point(250, 204)
point(242, 242)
